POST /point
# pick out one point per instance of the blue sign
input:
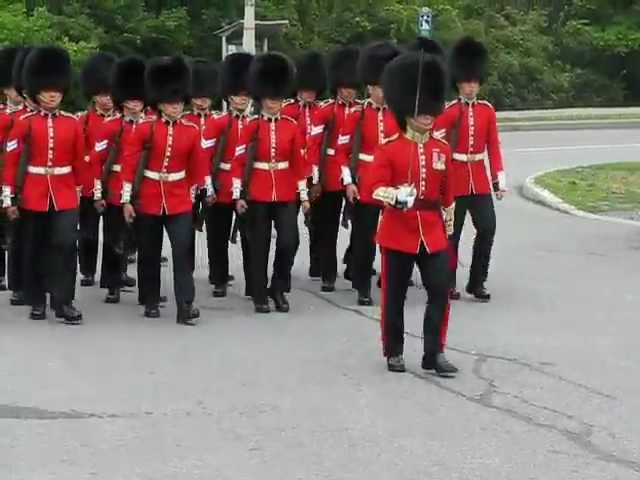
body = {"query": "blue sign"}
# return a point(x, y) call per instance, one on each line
point(425, 22)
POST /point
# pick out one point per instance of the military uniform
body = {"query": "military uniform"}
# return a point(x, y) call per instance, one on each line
point(96, 80)
point(48, 201)
point(471, 126)
point(272, 181)
point(410, 176)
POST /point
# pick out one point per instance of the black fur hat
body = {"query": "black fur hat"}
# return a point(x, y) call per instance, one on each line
point(46, 68)
point(343, 68)
point(167, 79)
point(427, 45)
point(7, 58)
point(233, 74)
point(469, 59)
point(128, 79)
point(311, 73)
point(271, 75)
point(414, 84)
point(204, 79)
point(18, 69)
point(373, 59)
point(96, 75)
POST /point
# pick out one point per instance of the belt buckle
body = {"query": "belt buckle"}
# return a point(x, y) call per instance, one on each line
point(48, 170)
point(272, 165)
point(164, 176)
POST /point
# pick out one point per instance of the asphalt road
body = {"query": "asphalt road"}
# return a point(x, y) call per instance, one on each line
point(549, 385)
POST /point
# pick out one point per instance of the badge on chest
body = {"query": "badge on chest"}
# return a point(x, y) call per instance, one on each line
point(438, 160)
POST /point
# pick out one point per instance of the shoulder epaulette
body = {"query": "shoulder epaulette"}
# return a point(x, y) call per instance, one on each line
point(216, 114)
point(291, 119)
point(69, 114)
point(452, 103)
point(251, 118)
point(440, 139)
point(27, 115)
point(288, 101)
point(326, 103)
point(390, 139)
point(117, 116)
point(80, 113)
point(148, 119)
point(188, 123)
point(488, 104)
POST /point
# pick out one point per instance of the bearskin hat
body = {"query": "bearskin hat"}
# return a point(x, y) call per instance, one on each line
point(311, 73)
point(167, 79)
point(343, 68)
point(96, 75)
point(373, 59)
point(271, 75)
point(414, 84)
point(7, 58)
point(18, 69)
point(204, 79)
point(469, 59)
point(47, 68)
point(233, 75)
point(426, 45)
point(128, 79)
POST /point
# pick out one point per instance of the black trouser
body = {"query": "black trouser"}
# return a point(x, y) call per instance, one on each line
point(89, 224)
point(363, 254)
point(325, 216)
point(396, 272)
point(50, 255)
point(149, 230)
point(4, 245)
point(261, 216)
point(16, 256)
point(483, 216)
point(315, 259)
point(219, 218)
point(114, 247)
point(245, 244)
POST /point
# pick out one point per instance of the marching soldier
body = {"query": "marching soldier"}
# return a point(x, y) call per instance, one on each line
point(46, 198)
point(410, 176)
point(96, 87)
point(106, 163)
point(270, 172)
point(164, 153)
point(373, 126)
point(470, 125)
point(311, 83)
point(329, 174)
point(220, 138)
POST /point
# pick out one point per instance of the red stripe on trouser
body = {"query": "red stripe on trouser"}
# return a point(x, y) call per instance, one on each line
point(383, 299)
point(444, 327)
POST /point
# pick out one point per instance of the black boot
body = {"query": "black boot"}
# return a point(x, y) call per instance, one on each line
point(3, 283)
point(164, 259)
point(315, 271)
point(347, 274)
point(38, 312)
point(396, 364)
point(220, 291)
point(113, 296)
point(230, 279)
point(188, 315)
point(364, 299)
point(128, 281)
point(152, 311)
point(439, 363)
point(454, 294)
point(87, 281)
point(69, 314)
point(131, 259)
point(479, 292)
point(262, 307)
point(280, 301)
point(17, 299)
point(161, 299)
point(328, 286)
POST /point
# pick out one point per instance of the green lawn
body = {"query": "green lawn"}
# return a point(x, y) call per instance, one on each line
point(613, 187)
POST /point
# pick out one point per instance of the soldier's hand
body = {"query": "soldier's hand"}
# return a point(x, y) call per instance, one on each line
point(129, 213)
point(500, 194)
point(13, 213)
point(211, 199)
point(241, 207)
point(315, 192)
point(306, 206)
point(100, 205)
point(352, 193)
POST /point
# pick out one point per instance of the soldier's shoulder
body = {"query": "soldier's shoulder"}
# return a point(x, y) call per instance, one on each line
point(26, 115)
point(390, 140)
point(327, 103)
point(452, 103)
point(252, 118)
point(288, 101)
point(440, 141)
point(487, 104)
point(113, 118)
point(188, 123)
point(218, 115)
point(148, 118)
point(66, 114)
point(80, 114)
point(289, 119)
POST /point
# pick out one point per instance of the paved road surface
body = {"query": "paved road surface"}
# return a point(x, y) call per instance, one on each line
point(549, 388)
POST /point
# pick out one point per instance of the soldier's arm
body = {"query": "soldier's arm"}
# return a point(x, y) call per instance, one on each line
point(445, 122)
point(380, 177)
point(300, 167)
point(240, 158)
point(132, 146)
point(448, 199)
point(81, 168)
point(197, 166)
point(13, 149)
point(319, 121)
point(344, 146)
point(98, 156)
point(498, 176)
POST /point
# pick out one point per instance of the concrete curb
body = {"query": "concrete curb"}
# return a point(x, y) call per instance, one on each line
point(524, 126)
point(535, 193)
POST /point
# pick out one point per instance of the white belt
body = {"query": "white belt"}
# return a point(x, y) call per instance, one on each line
point(49, 170)
point(116, 168)
point(365, 157)
point(331, 151)
point(472, 157)
point(224, 166)
point(165, 177)
point(271, 165)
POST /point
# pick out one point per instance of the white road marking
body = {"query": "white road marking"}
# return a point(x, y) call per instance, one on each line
point(572, 147)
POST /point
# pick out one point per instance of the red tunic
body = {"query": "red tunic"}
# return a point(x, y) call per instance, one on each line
point(174, 168)
point(56, 166)
point(337, 172)
point(303, 113)
point(91, 122)
point(198, 119)
point(477, 134)
point(377, 126)
point(279, 171)
point(426, 166)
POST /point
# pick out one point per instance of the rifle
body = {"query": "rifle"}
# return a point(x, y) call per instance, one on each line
point(246, 178)
point(114, 150)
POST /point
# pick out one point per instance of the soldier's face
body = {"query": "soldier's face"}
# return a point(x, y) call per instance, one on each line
point(307, 95)
point(172, 109)
point(271, 106)
point(469, 89)
point(347, 94)
point(421, 123)
point(376, 93)
point(104, 102)
point(201, 104)
point(12, 96)
point(49, 99)
point(239, 102)
point(133, 107)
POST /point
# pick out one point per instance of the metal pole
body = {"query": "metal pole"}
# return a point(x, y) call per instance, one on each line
point(249, 32)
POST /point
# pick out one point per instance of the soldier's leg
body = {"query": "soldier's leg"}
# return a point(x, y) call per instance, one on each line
point(259, 235)
point(113, 248)
point(89, 224)
point(219, 219)
point(16, 268)
point(483, 216)
point(315, 262)
point(286, 225)
point(63, 238)
point(34, 266)
point(149, 237)
point(330, 225)
point(245, 245)
point(365, 223)
point(3, 254)
point(396, 271)
point(180, 229)
point(462, 205)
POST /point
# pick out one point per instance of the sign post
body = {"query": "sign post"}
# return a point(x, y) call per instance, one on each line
point(425, 22)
